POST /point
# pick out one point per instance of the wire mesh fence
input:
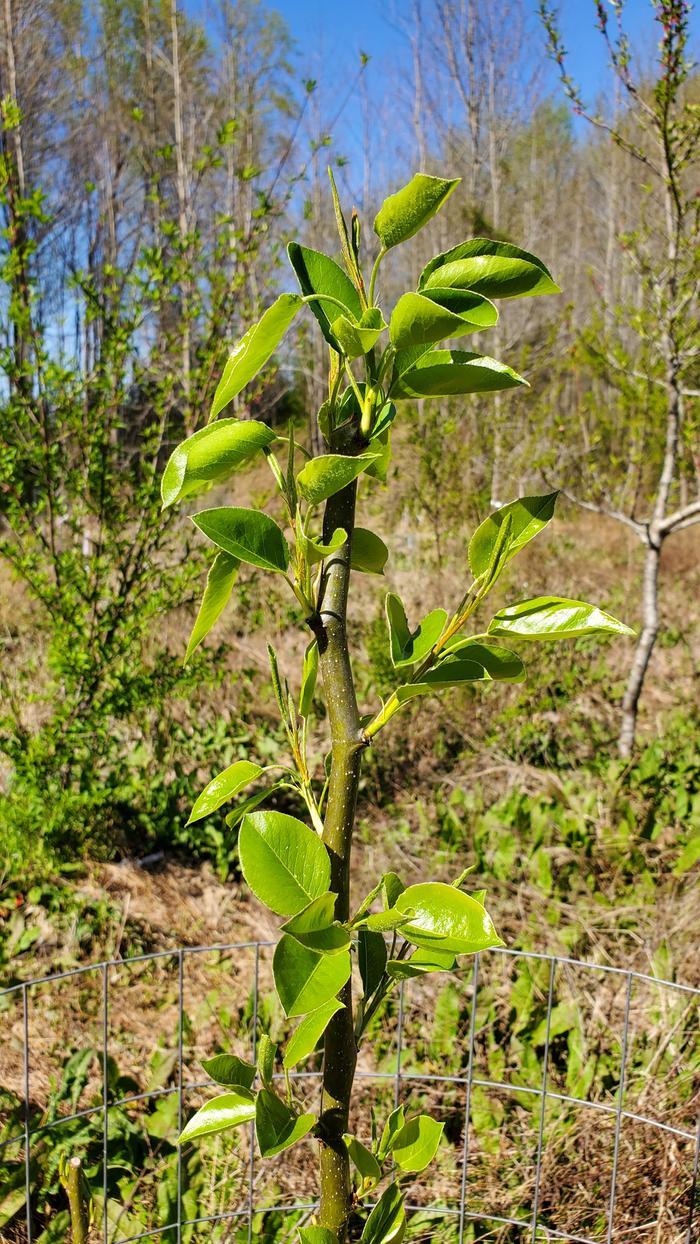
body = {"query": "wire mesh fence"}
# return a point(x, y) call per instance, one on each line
point(570, 1094)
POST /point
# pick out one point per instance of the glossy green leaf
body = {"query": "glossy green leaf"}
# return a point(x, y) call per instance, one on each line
point(417, 320)
point(304, 978)
point(315, 926)
point(387, 1222)
point(371, 958)
point(318, 274)
point(444, 918)
point(228, 1110)
point(405, 361)
point(528, 515)
point(249, 535)
point(384, 921)
point(368, 553)
point(381, 446)
point(415, 1146)
point(383, 420)
point(495, 269)
point(211, 455)
point(477, 310)
point(315, 550)
point(230, 1071)
point(223, 787)
point(555, 617)
point(453, 372)
point(421, 963)
point(407, 211)
point(357, 338)
point(365, 1164)
point(254, 349)
point(284, 862)
point(250, 804)
point(391, 1128)
point(497, 663)
point(321, 477)
point(406, 646)
point(309, 675)
point(317, 1235)
point(308, 1033)
point(277, 1127)
point(220, 580)
point(266, 1054)
point(391, 887)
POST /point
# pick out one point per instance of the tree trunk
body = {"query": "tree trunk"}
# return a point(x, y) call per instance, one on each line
point(340, 1053)
point(644, 649)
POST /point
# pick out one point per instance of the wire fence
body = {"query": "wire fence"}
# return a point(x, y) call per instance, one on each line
point(629, 1006)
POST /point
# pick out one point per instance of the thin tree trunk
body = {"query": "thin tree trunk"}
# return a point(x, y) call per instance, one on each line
point(182, 203)
point(643, 651)
point(340, 1053)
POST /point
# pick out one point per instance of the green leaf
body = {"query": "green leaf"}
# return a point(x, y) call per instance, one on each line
point(371, 958)
point(308, 1033)
point(284, 862)
point(254, 349)
point(415, 1146)
point(392, 886)
point(407, 211)
point(445, 373)
point(365, 1163)
point(528, 516)
point(354, 338)
point(305, 978)
point(230, 1071)
point(555, 617)
point(309, 675)
point(387, 1222)
point(315, 550)
point(495, 662)
point(223, 787)
point(384, 921)
point(495, 269)
point(368, 553)
point(228, 1110)
point(318, 274)
point(250, 804)
point(407, 647)
point(477, 310)
point(392, 1127)
point(277, 1126)
point(267, 1051)
point(211, 455)
point(329, 473)
point(317, 1235)
point(417, 320)
point(420, 963)
point(315, 926)
point(443, 918)
point(220, 580)
point(249, 535)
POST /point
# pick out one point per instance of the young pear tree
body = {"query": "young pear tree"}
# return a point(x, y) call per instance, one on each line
point(300, 869)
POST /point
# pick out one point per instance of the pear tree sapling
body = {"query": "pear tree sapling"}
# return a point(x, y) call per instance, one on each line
point(300, 869)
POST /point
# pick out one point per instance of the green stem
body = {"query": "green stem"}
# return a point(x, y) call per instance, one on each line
point(340, 1052)
point(77, 1201)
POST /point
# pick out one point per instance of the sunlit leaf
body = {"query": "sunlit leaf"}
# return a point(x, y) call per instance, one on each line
point(406, 646)
point(415, 1145)
point(365, 1163)
point(454, 372)
point(308, 1033)
point(495, 269)
point(249, 535)
point(387, 1221)
point(211, 456)
point(306, 979)
point(228, 1110)
point(321, 477)
point(443, 918)
point(284, 862)
point(318, 274)
point(528, 515)
point(368, 552)
point(230, 1071)
point(555, 617)
point(407, 211)
point(224, 787)
point(315, 926)
point(278, 1127)
point(254, 349)
point(220, 580)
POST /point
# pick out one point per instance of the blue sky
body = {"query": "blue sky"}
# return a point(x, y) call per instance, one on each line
point(348, 25)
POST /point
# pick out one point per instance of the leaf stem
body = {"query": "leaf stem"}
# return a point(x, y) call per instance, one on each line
point(373, 277)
